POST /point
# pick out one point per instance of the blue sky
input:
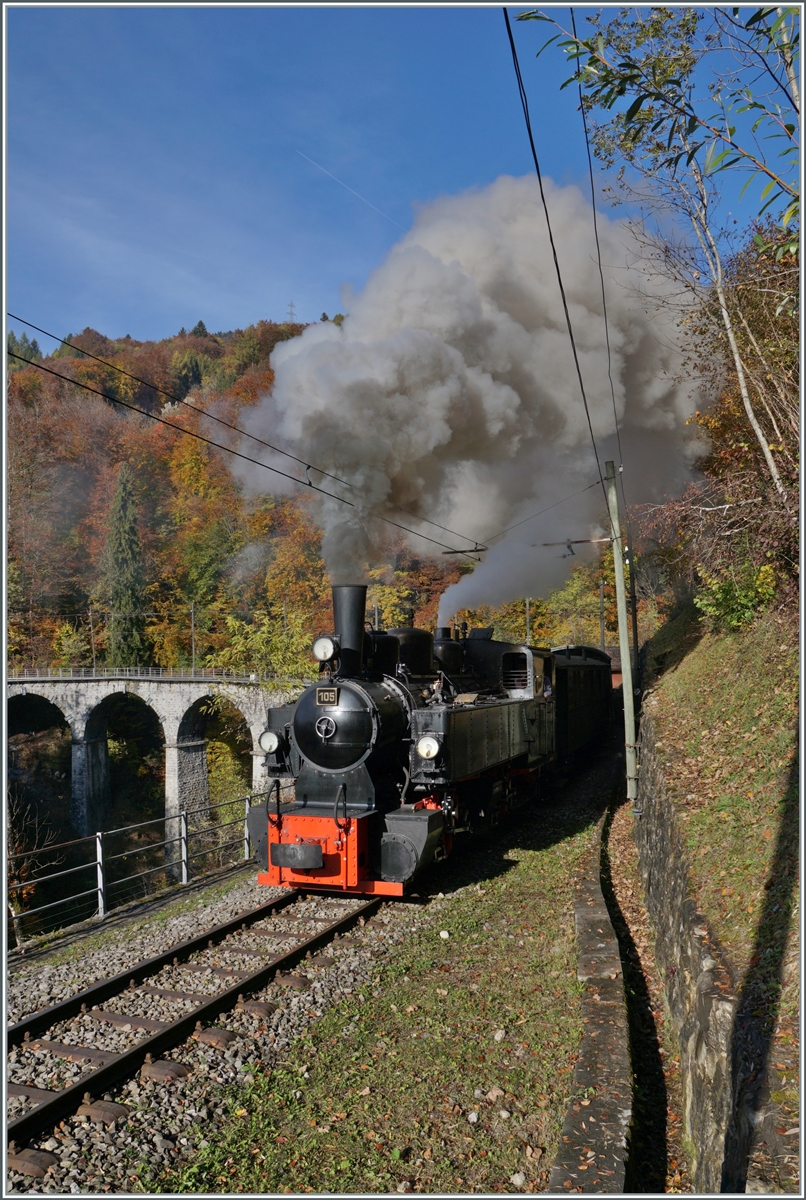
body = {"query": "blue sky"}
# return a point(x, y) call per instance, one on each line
point(154, 155)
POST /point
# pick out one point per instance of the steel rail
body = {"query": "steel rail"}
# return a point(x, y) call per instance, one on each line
point(38, 1022)
point(49, 1112)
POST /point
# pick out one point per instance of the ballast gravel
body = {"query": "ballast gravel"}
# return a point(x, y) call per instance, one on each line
point(164, 1120)
point(34, 985)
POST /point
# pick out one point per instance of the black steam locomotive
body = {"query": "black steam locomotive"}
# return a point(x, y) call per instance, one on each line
point(409, 737)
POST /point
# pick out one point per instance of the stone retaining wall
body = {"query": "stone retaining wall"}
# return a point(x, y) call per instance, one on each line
point(725, 1079)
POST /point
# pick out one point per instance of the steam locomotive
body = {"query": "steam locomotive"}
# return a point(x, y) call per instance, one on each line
point(408, 738)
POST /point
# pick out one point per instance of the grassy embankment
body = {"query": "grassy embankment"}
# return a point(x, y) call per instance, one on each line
point(381, 1092)
point(725, 713)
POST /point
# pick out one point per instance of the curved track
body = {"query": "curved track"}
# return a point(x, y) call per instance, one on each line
point(243, 937)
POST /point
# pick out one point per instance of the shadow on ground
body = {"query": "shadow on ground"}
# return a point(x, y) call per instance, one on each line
point(759, 993)
point(645, 1168)
point(573, 802)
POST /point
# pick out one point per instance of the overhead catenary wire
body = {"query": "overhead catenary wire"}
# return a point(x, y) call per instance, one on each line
point(525, 106)
point(628, 545)
point(102, 612)
point(236, 453)
point(85, 612)
point(477, 547)
point(602, 281)
point(612, 512)
point(548, 508)
point(174, 398)
point(599, 260)
point(228, 425)
point(308, 466)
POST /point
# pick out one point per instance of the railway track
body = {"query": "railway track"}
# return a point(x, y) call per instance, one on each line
point(244, 954)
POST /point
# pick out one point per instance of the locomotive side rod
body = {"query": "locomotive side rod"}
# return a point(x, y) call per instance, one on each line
point(49, 1112)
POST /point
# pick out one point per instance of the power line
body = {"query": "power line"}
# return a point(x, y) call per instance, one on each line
point(629, 544)
point(236, 428)
point(501, 532)
point(84, 612)
point(172, 425)
point(178, 400)
point(599, 260)
point(104, 612)
point(525, 106)
point(236, 453)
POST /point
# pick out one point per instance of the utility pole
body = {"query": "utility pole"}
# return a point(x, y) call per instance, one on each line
point(601, 613)
point(92, 639)
point(292, 312)
point(623, 638)
point(527, 620)
point(193, 637)
point(629, 555)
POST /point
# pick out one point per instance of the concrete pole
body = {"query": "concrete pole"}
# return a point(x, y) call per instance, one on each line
point(601, 613)
point(634, 607)
point(623, 637)
point(528, 630)
point(92, 639)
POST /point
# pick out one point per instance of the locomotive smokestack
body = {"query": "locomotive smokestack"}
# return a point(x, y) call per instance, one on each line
point(349, 605)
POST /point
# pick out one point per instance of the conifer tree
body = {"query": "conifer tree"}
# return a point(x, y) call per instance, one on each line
point(124, 579)
point(23, 349)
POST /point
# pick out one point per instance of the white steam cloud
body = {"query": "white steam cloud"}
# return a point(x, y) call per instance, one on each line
point(451, 392)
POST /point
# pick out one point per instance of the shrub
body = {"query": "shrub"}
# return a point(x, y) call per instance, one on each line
point(734, 599)
point(70, 646)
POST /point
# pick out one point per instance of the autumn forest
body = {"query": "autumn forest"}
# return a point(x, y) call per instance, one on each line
point(131, 543)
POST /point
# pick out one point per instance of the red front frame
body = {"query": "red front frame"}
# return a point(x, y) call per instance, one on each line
point(345, 853)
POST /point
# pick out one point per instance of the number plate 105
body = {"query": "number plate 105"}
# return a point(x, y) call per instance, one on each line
point(327, 696)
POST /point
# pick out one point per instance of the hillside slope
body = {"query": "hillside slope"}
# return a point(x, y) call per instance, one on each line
point(725, 713)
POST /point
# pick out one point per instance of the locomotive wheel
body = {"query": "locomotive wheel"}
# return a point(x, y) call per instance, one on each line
point(398, 858)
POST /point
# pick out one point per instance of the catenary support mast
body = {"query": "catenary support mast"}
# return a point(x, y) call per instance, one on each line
point(623, 636)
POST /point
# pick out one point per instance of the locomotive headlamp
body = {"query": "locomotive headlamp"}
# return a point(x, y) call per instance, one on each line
point(324, 648)
point(427, 747)
point(269, 741)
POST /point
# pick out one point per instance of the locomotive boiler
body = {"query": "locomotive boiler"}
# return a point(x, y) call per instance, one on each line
point(407, 738)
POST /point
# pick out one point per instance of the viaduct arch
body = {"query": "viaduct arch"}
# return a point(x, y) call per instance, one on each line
point(177, 704)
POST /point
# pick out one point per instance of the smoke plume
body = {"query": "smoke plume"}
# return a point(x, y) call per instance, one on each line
point(450, 390)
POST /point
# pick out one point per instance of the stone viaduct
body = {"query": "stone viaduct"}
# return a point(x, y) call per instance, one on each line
point(178, 700)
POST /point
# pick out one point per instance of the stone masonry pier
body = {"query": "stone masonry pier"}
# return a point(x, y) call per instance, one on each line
point(178, 701)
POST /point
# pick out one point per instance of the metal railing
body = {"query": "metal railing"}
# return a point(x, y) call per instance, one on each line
point(179, 836)
point(163, 673)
